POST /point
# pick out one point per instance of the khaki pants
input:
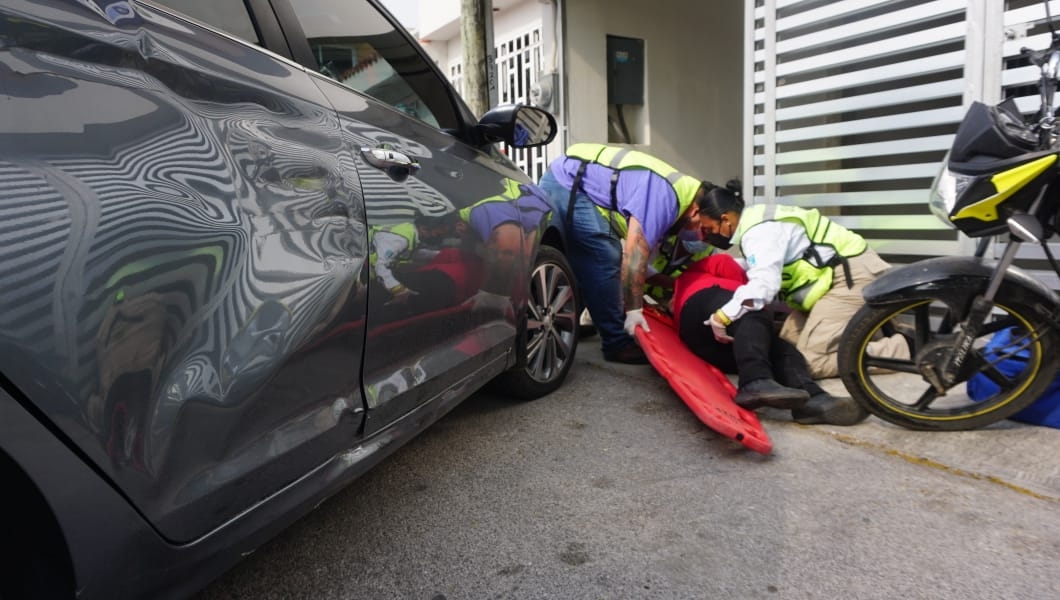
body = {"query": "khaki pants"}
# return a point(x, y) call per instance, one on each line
point(816, 333)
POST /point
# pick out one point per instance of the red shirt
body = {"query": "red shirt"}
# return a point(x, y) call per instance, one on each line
point(715, 270)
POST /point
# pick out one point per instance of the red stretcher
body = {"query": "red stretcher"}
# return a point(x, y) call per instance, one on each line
point(705, 389)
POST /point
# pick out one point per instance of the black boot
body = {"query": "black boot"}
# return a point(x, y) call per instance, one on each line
point(630, 354)
point(767, 392)
point(826, 408)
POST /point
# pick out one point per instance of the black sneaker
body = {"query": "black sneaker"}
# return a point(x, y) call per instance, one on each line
point(767, 392)
point(630, 354)
point(829, 409)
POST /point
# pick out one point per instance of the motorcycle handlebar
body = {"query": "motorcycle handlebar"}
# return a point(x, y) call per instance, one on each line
point(1048, 62)
point(1040, 58)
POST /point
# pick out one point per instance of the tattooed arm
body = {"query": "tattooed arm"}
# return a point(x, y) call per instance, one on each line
point(634, 265)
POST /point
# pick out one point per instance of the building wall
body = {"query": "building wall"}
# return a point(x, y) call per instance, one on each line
point(436, 18)
point(693, 111)
point(694, 102)
point(440, 26)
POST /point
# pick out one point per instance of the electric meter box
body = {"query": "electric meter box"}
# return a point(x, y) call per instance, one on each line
point(625, 70)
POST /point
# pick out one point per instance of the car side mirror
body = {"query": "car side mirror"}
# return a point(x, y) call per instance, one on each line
point(518, 125)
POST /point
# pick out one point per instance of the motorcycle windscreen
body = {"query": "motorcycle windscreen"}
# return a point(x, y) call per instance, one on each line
point(992, 132)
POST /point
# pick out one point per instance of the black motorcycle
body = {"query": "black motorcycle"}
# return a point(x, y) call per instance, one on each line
point(1001, 176)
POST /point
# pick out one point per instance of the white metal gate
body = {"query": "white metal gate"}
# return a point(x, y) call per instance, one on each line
point(518, 61)
point(856, 101)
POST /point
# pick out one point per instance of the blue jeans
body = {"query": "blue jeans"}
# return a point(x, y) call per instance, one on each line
point(595, 254)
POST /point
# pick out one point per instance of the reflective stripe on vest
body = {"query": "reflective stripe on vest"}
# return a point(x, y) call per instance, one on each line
point(512, 191)
point(802, 282)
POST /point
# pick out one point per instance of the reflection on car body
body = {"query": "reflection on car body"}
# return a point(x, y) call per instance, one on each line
point(198, 346)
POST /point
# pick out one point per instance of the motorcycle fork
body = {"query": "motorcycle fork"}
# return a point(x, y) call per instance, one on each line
point(981, 307)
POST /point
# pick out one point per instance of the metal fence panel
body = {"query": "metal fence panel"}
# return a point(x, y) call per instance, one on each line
point(855, 103)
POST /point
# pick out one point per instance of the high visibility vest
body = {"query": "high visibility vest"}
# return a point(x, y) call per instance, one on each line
point(512, 192)
point(805, 280)
point(620, 159)
point(405, 230)
point(663, 264)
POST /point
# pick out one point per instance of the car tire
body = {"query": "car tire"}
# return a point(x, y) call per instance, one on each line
point(552, 330)
point(33, 558)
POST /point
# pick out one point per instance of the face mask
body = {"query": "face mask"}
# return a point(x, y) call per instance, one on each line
point(695, 246)
point(689, 235)
point(718, 240)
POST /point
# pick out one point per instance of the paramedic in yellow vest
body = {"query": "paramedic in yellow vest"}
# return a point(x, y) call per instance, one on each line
point(616, 205)
point(812, 263)
point(506, 226)
point(401, 243)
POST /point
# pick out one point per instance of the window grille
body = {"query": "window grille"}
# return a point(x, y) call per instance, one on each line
point(518, 60)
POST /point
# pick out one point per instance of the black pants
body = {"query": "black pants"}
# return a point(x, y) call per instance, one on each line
point(756, 351)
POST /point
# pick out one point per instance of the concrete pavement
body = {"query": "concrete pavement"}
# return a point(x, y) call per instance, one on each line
point(609, 488)
point(1024, 458)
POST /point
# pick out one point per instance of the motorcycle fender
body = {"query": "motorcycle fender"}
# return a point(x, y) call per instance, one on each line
point(955, 280)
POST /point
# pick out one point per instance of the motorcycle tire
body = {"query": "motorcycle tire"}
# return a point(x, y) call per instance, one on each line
point(895, 389)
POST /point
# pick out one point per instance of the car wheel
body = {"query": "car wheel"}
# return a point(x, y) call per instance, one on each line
point(33, 558)
point(551, 329)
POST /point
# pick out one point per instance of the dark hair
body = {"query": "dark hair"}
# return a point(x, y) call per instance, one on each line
point(716, 200)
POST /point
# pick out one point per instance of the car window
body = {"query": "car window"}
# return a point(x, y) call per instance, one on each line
point(354, 44)
point(230, 16)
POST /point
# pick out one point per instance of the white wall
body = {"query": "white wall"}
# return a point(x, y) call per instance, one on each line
point(694, 103)
point(440, 35)
point(440, 25)
point(694, 110)
point(437, 18)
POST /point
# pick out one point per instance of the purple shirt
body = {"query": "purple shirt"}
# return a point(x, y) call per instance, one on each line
point(640, 193)
point(528, 211)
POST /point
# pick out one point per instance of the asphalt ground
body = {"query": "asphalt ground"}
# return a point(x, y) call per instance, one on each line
point(1022, 457)
point(611, 488)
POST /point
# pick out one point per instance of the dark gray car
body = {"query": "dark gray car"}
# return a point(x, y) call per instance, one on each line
point(247, 249)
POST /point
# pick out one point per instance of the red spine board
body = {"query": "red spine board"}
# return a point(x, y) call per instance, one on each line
point(704, 388)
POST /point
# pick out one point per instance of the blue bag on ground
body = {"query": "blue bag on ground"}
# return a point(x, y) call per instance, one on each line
point(1044, 411)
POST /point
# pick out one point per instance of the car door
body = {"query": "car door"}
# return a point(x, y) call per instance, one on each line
point(440, 318)
point(182, 252)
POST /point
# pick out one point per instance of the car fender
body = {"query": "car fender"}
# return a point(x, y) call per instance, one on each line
point(106, 539)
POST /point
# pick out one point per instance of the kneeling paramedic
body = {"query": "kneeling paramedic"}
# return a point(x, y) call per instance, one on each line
point(818, 267)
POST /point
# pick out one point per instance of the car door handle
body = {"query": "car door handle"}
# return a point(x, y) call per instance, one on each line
point(397, 165)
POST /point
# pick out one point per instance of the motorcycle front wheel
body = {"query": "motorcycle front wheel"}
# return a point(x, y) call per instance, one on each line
point(994, 382)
